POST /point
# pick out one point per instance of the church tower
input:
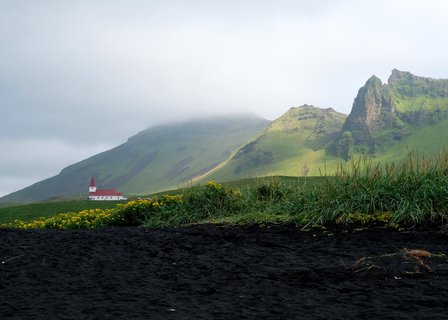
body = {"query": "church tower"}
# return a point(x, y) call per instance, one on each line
point(92, 187)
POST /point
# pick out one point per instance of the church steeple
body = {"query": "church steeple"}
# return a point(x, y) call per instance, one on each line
point(92, 187)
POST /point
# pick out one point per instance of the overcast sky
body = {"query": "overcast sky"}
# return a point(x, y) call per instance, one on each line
point(79, 77)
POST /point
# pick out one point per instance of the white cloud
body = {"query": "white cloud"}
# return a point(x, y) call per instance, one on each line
point(94, 73)
point(26, 161)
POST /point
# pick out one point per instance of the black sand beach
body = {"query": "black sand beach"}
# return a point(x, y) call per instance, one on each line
point(215, 272)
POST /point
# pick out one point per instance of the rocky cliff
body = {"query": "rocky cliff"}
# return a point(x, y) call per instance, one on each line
point(383, 113)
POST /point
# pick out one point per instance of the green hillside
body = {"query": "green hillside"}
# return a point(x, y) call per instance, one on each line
point(155, 159)
point(388, 116)
point(387, 121)
point(292, 145)
point(427, 140)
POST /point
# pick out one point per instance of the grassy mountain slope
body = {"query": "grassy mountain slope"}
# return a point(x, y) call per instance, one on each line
point(292, 144)
point(155, 159)
point(394, 116)
point(421, 110)
point(386, 122)
point(427, 140)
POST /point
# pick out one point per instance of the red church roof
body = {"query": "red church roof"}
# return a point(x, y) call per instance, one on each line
point(105, 192)
point(92, 182)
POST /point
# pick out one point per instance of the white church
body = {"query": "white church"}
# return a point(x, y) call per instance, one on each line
point(104, 194)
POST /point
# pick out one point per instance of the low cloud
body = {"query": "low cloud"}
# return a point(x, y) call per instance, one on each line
point(90, 74)
point(27, 161)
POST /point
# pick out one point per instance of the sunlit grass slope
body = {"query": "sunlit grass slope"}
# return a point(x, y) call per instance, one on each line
point(292, 145)
point(429, 139)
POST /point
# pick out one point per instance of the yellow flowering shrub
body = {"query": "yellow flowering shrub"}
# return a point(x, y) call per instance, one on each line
point(196, 204)
point(212, 184)
point(85, 219)
point(138, 211)
point(132, 213)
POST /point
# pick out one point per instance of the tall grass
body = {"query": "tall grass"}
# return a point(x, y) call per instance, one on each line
point(198, 204)
point(410, 192)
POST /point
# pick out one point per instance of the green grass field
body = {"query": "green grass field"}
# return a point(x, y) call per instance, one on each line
point(395, 194)
point(33, 211)
point(28, 212)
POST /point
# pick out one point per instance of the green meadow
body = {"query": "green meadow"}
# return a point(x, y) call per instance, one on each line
point(29, 212)
point(406, 193)
point(33, 211)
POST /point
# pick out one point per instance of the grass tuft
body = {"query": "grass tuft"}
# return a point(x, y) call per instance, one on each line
point(411, 192)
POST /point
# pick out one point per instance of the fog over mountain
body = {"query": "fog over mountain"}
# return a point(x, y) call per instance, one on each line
point(80, 77)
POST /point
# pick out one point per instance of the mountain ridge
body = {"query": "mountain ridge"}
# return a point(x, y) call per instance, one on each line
point(297, 137)
point(154, 159)
point(384, 113)
point(387, 120)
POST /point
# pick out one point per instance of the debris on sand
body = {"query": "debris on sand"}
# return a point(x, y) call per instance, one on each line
point(406, 262)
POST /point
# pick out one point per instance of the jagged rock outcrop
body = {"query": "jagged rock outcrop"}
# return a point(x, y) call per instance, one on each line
point(372, 111)
point(387, 120)
point(405, 84)
point(383, 113)
point(419, 101)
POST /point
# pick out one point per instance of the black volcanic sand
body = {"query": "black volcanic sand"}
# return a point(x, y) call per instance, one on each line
point(216, 272)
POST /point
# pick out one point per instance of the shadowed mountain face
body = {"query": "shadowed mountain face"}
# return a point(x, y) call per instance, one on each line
point(155, 159)
point(386, 122)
